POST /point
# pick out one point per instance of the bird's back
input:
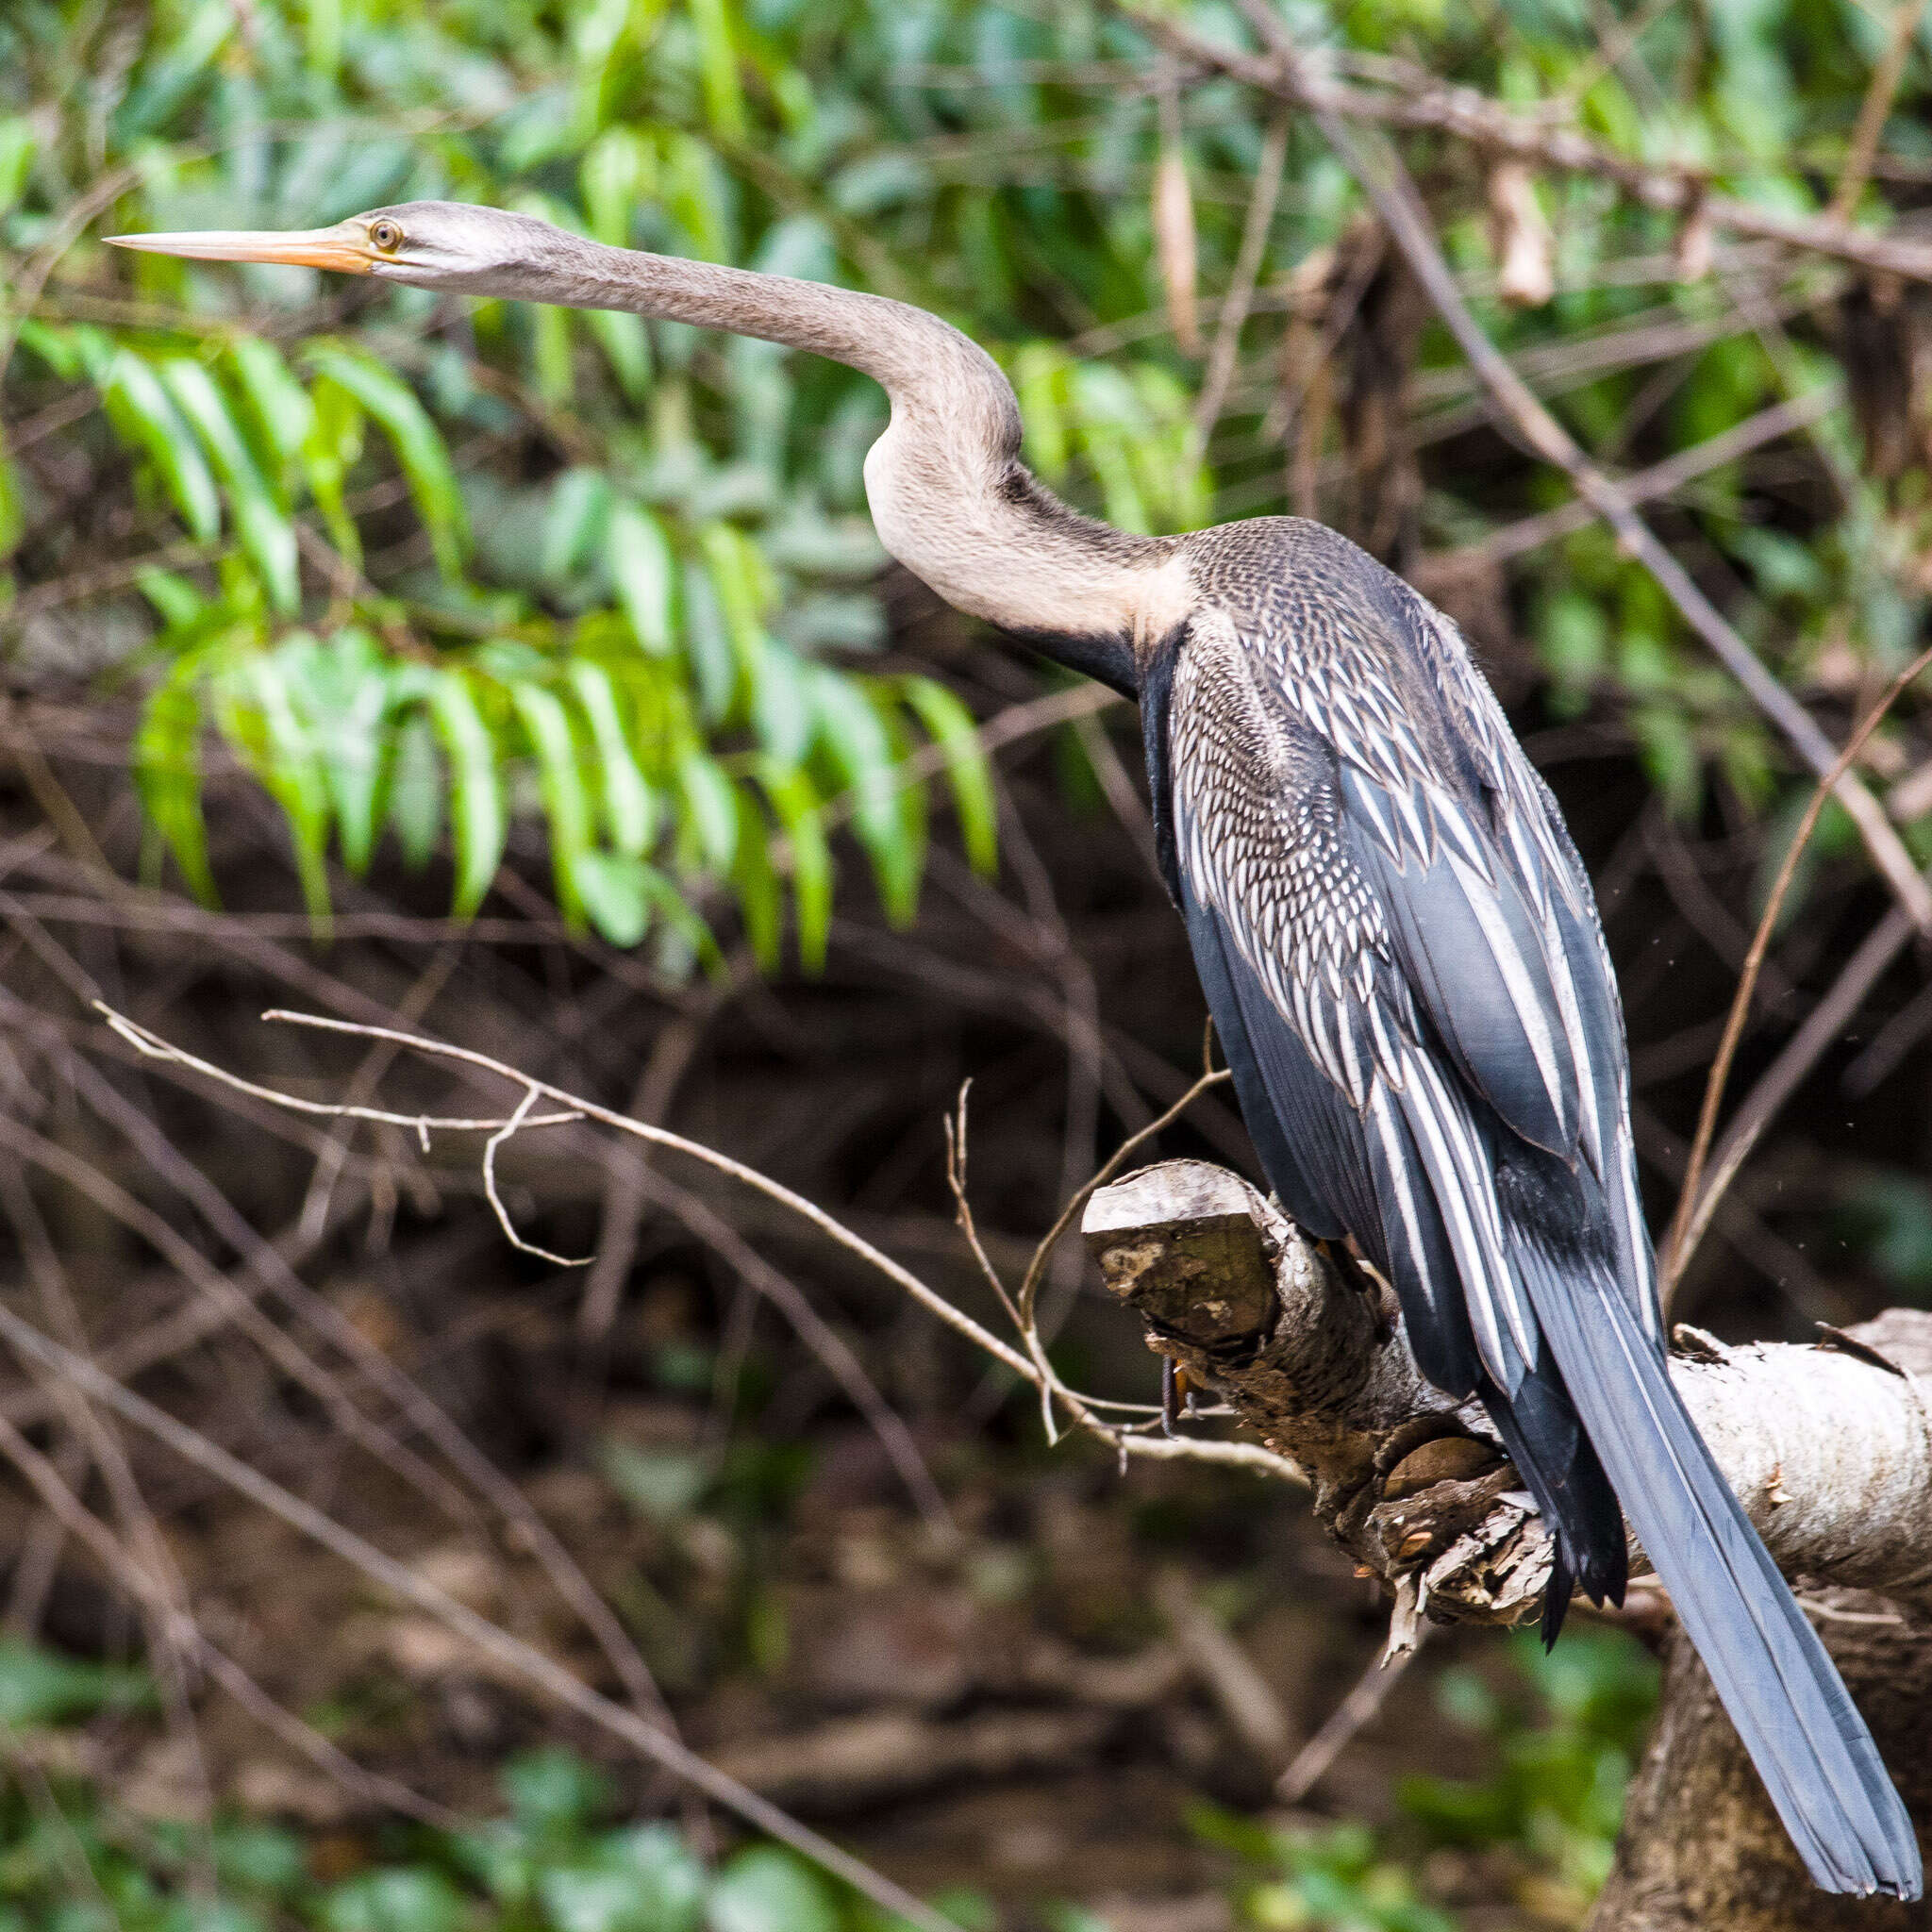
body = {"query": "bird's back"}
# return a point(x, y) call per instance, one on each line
point(1402, 954)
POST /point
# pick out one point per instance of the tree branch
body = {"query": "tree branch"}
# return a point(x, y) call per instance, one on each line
point(1830, 1448)
point(1466, 115)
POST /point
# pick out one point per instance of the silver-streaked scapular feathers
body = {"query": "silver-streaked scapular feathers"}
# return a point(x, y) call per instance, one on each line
point(1402, 953)
point(1395, 933)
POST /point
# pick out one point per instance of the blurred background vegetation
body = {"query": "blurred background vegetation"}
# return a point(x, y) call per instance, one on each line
point(535, 678)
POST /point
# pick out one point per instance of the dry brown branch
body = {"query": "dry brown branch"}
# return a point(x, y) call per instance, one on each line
point(847, 1763)
point(1641, 486)
point(1248, 259)
point(1695, 1204)
point(223, 1300)
point(1241, 1454)
point(1394, 197)
point(1342, 1725)
point(57, 1495)
point(1466, 115)
point(1172, 214)
point(1875, 107)
point(524, 1661)
point(1246, 1698)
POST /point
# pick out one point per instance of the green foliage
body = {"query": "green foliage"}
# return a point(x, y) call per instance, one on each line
point(1563, 1757)
point(616, 576)
point(1561, 1745)
point(38, 1687)
point(1332, 1879)
point(552, 1862)
point(1886, 1216)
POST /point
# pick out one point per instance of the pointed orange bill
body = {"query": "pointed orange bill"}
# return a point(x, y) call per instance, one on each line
point(344, 247)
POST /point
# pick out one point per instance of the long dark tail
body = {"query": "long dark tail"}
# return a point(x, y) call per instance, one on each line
point(1544, 1439)
point(1782, 1693)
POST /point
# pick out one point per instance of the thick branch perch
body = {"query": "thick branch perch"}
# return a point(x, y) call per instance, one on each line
point(1830, 1448)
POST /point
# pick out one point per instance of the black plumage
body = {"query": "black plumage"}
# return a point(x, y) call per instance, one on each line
point(1402, 954)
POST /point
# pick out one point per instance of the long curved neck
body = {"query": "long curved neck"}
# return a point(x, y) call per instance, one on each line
point(949, 495)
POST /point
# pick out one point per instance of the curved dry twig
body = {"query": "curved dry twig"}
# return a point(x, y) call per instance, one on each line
point(1695, 1206)
point(1243, 1455)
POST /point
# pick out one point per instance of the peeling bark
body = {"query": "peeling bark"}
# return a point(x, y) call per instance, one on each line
point(1830, 1448)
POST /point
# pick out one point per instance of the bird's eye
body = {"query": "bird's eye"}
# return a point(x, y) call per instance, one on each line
point(386, 234)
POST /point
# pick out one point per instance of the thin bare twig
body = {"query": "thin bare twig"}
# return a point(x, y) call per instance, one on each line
point(1247, 270)
point(1694, 1208)
point(529, 1663)
point(270, 1266)
point(1426, 103)
point(1244, 1455)
point(1311, 1764)
point(1875, 107)
point(962, 1204)
point(519, 1119)
point(1395, 196)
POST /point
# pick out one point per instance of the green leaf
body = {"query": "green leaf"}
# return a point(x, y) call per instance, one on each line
point(855, 735)
point(176, 601)
point(710, 804)
point(418, 444)
point(955, 731)
point(641, 1880)
point(766, 1890)
point(266, 534)
point(707, 644)
point(756, 881)
point(551, 358)
point(742, 582)
point(781, 705)
point(209, 1915)
point(662, 1484)
point(592, 1898)
point(415, 791)
point(257, 710)
point(797, 806)
point(552, 1788)
point(476, 798)
point(668, 1879)
point(579, 500)
point(12, 520)
point(17, 149)
point(167, 774)
point(141, 414)
point(718, 68)
point(638, 555)
point(561, 780)
point(282, 411)
point(332, 449)
point(40, 1687)
point(345, 688)
point(626, 346)
point(1039, 381)
point(618, 175)
point(630, 814)
point(618, 894)
point(405, 1898)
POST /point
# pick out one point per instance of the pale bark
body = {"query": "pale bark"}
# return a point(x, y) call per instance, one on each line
point(1829, 1447)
